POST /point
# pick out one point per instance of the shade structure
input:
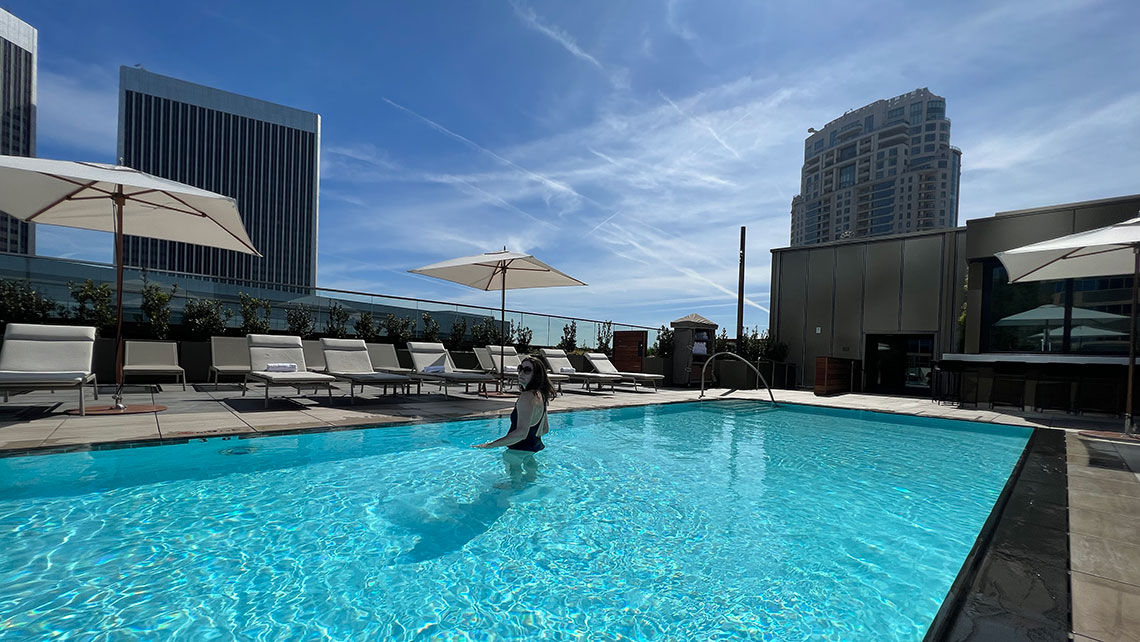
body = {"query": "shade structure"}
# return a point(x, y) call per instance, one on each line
point(1050, 314)
point(1106, 251)
point(502, 270)
point(121, 200)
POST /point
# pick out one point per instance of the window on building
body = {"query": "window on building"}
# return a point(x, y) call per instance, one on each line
point(869, 123)
point(1030, 317)
point(930, 137)
point(930, 127)
point(846, 176)
point(929, 148)
point(897, 112)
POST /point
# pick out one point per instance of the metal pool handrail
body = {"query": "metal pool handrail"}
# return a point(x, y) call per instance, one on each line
point(759, 376)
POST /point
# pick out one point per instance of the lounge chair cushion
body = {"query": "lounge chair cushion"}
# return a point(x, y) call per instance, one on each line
point(374, 377)
point(293, 377)
point(152, 368)
point(25, 377)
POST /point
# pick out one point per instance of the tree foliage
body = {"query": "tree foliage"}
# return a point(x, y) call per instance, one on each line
point(300, 322)
point(569, 341)
point(19, 303)
point(93, 304)
point(523, 338)
point(156, 308)
point(458, 336)
point(431, 328)
point(337, 325)
point(205, 318)
point(254, 314)
point(365, 327)
point(399, 329)
point(605, 338)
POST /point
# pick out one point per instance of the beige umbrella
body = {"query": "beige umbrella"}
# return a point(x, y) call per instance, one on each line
point(1106, 251)
point(122, 200)
point(499, 271)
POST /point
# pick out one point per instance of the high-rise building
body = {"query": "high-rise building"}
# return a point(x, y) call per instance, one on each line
point(262, 154)
point(18, 45)
point(886, 168)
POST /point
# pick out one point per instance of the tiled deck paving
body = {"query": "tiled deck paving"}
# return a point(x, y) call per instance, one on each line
point(1103, 476)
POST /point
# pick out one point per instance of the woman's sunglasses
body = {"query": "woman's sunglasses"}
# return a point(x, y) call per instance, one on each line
point(526, 369)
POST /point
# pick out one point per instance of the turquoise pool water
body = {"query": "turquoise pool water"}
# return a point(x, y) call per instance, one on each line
point(690, 521)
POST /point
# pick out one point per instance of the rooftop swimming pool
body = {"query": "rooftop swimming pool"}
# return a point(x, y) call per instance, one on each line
point(685, 521)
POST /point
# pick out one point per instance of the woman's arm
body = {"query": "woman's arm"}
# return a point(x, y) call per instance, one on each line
point(525, 408)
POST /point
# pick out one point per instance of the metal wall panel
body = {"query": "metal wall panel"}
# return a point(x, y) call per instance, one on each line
point(847, 341)
point(820, 309)
point(923, 261)
point(792, 292)
point(881, 287)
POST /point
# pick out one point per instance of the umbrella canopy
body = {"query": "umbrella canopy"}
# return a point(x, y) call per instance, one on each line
point(122, 200)
point(501, 271)
point(498, 271)
point(1050, 314)
point(81, 195)
point(1106, 251)
point(1086, 332)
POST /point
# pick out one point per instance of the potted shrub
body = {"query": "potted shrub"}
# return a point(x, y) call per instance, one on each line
point(299, 321)
point(337, 325)
point(365, 327)
point(254, 314)
point(201, 319)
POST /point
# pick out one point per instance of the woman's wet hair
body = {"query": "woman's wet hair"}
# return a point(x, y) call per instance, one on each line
point(539, 380)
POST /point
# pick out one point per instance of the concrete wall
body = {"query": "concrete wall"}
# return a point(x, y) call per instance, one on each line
point(1007, 230)
point(827, 298)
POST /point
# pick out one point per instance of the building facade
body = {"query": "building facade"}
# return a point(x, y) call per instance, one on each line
point(264, 155)
point(891, 303)
point(18, 50)
point(898, 304)
point(886, 168)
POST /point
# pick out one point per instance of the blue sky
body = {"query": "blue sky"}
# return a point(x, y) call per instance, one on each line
point(622, 142)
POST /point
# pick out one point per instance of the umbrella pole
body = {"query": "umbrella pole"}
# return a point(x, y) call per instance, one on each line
point(502, 324)
point(1129, 424)
point(119, 199)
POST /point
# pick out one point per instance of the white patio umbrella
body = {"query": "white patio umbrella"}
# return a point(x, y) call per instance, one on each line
point(122, 200)
point(1107, 251)
point(499, 271)
point(1051, 316)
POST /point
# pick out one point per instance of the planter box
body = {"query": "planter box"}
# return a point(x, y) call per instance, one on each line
point(195, 359)
point(659, 365)
point(734, 374)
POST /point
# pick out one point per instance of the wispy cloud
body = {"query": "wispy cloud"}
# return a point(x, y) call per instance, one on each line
point(618, 77)
point(78, 110)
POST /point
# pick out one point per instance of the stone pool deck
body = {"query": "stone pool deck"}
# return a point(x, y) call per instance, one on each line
point(1103, 502)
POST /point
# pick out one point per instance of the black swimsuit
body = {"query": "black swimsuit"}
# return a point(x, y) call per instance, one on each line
point(532, 443)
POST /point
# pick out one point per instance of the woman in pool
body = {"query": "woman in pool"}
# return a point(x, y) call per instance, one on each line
point(528, 420)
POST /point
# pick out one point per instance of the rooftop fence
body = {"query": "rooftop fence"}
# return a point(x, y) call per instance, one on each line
point(50, 277)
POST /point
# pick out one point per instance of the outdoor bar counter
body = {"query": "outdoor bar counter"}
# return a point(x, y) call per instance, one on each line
point(1036, 380)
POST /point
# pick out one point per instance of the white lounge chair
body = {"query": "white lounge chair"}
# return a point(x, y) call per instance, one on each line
point(512, 361)
point(265, 349)
point(47, 357)
point(385, 359)
point(229, 356)
point(347, 360)
point(152, 358)
point(433, 363)
point(314, 355)
point(558, 363)
point(602, 364)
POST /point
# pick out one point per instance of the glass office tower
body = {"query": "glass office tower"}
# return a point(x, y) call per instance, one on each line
point(18, 44)
point(264, 155)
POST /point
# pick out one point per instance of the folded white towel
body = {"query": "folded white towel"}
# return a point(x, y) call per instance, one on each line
point(567, 370)
point(433, 369)
point(510, 369)
point(281, 367)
